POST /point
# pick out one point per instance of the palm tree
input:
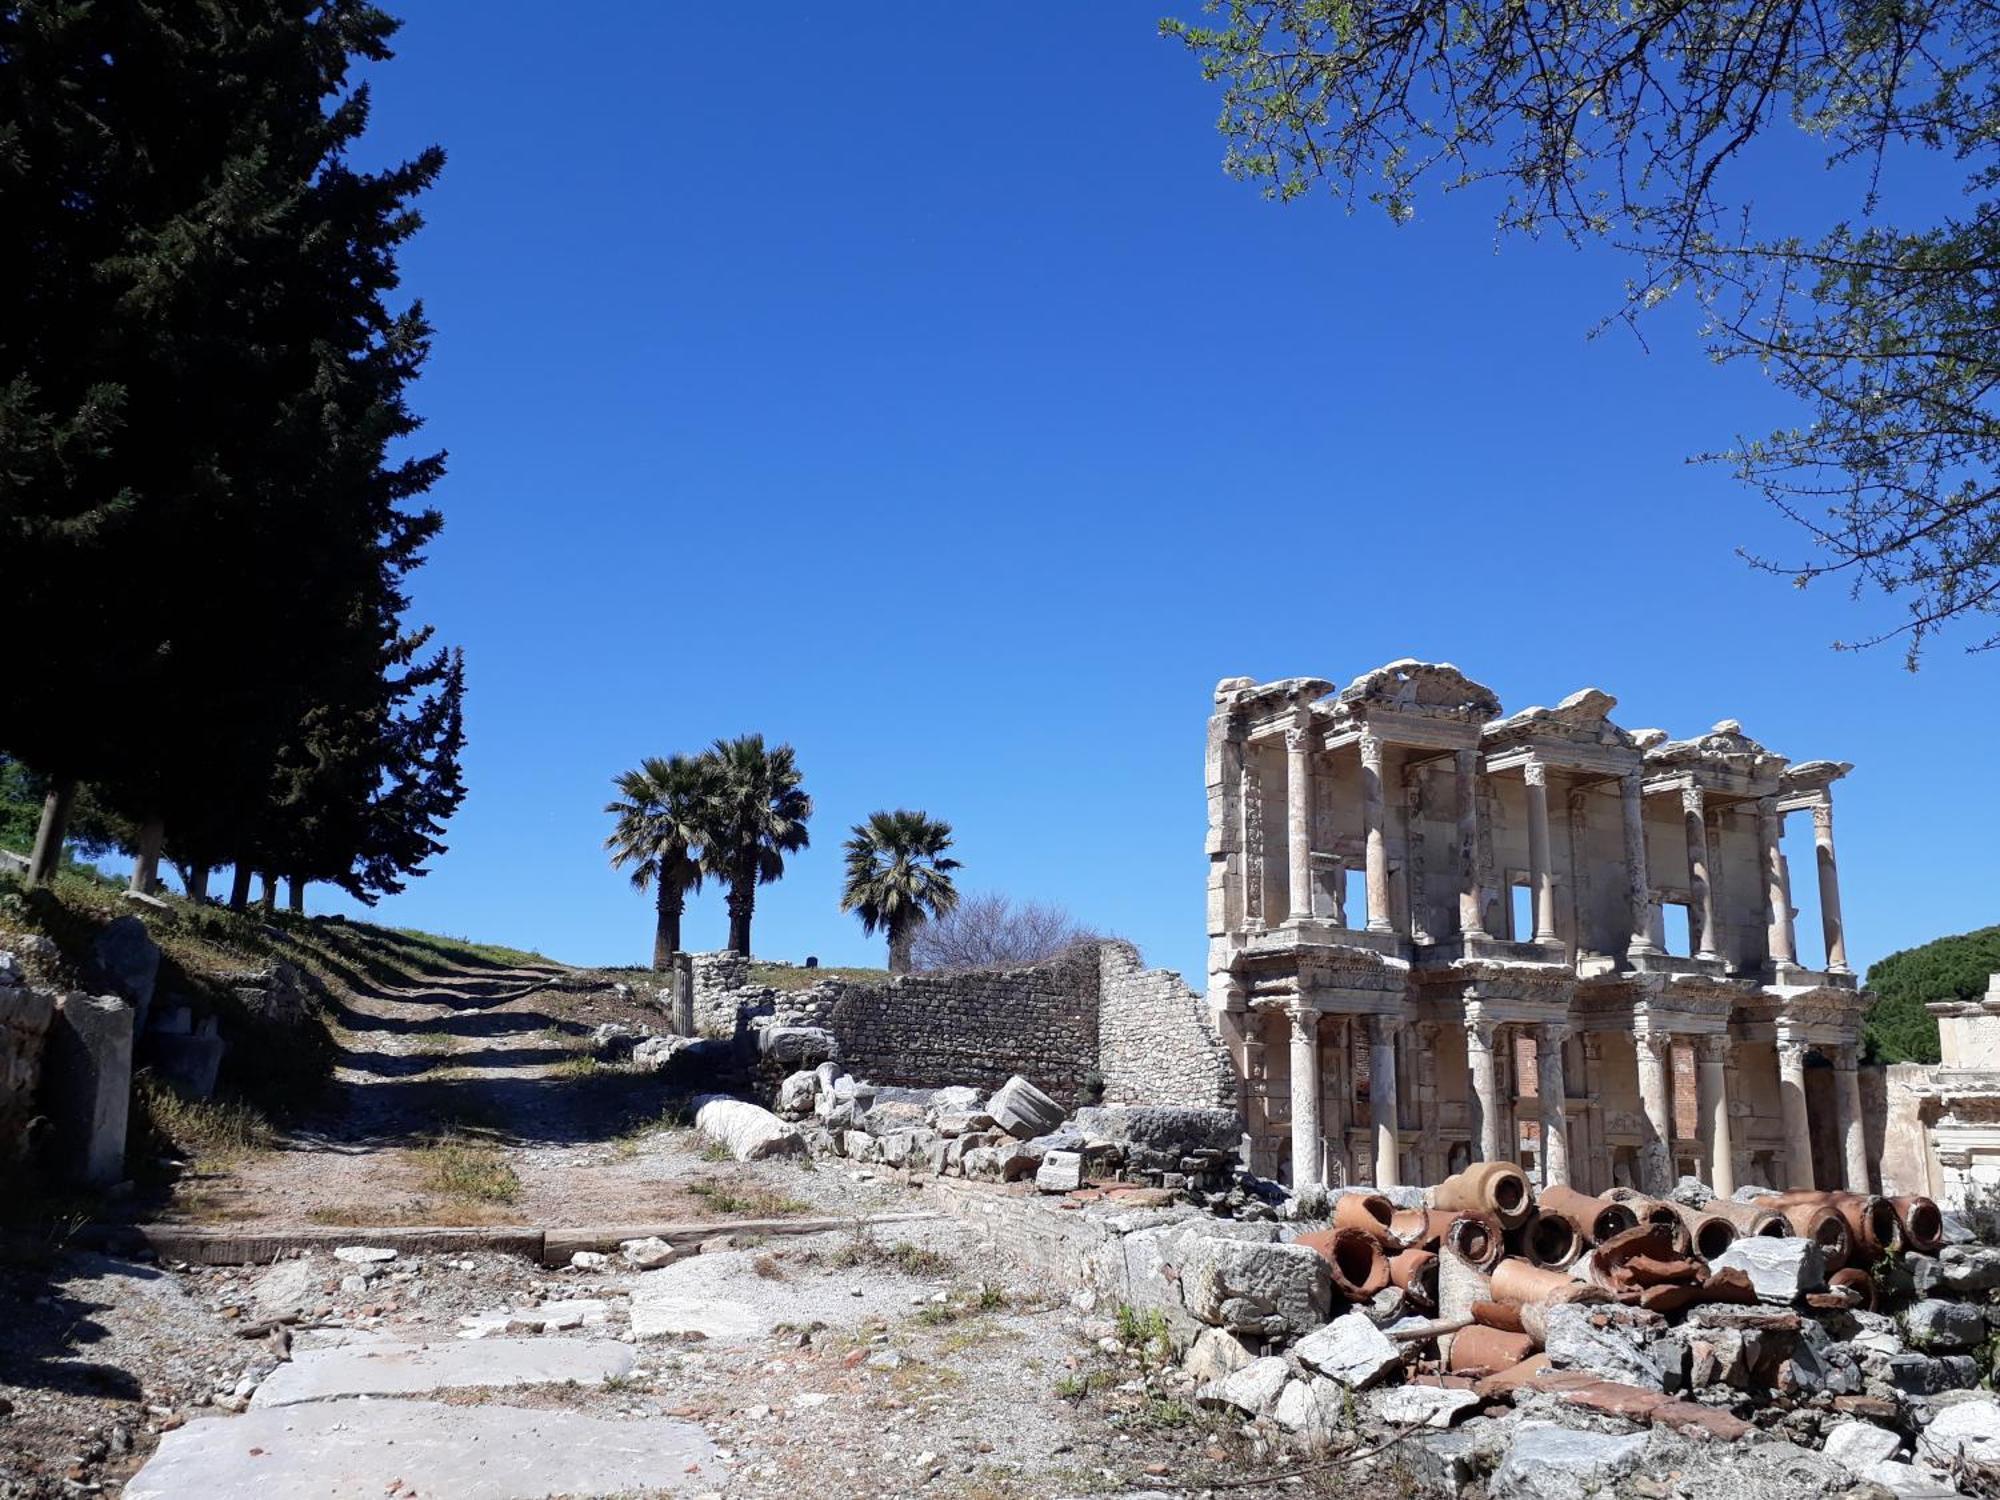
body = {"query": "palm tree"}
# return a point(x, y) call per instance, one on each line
point(756, 816)
point(661, 809)
point(898, 877)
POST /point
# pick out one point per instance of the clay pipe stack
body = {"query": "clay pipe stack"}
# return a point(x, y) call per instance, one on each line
point(1477, 1239)
point(1749, 1219)
point(1709, 1233)
point(1923, 1225)
point(1355, 1257)
point(1654, 1211)
point(1495, 1187)
point(1594, 1219)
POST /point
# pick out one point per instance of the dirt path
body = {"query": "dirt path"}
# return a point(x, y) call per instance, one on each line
point(473, 1098)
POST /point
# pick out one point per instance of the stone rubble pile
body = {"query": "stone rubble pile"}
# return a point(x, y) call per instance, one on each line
point(1562, 1344)
point(1141, 1155)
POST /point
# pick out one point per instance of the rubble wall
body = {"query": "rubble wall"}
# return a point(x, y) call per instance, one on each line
point(1155, 1041)
point(977, 1027)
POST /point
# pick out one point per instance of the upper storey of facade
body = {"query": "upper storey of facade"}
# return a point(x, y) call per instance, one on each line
point(1404, 813)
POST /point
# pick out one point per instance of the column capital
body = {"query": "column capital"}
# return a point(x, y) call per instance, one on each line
point(1301, 739)
point(1659, 1043)
point(1383, 1030)
point(1304, 1019)
point(1552, 1033)
point(1846, 1057)
point(1792, 1050)
point(1534, 773)
point(1716, 1048)
point(1371, 749)
point(1691, 800)
point(1822, 816)
point(1481, 1030)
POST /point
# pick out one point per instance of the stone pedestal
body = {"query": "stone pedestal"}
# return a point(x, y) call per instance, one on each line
point(87, 1085)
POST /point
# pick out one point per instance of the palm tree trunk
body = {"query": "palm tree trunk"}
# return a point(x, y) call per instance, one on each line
point(53, 830)
point(742, 902)
point(902, 938)
point(297, 899)
point(239, 886)
point(667, 929)
point(197, 882)
point(269, 902)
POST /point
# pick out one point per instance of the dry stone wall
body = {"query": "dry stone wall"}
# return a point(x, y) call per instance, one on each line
point(1092, 1014)
point(1155, 1041)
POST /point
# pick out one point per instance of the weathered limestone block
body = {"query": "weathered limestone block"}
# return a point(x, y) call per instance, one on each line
point(1254, 1389)
point(1546, 1461)
point(1161, 1127)
point(1289, 1282)
point(796, 1047)
point(1617, 1351)
point(750, 1131)
point(1969, 1428)
point(1060, 1172)
point(796, 1095)
point(25, 1015)
point(1935, 1325)
point(1780, 1270)
point(87, 1084)
point(1022, 1110)
point(125, 961)
point(1350, 1350)
point(1856, 1445)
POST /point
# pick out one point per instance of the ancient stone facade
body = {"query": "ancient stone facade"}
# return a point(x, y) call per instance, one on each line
point(1941, 1125)
point(1093, 1016)
point(1405, 884)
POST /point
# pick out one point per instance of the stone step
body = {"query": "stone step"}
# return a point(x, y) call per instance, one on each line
point(338, 1449)
point(409, 1369)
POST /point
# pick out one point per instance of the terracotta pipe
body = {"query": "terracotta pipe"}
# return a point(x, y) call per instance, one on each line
point(1518, 1281)
point(1709, 1234)
point(1502, 1315)
point(1811, 1216)
point(1551, 1241)
point(1360, 1269)
point(1923, 1225)
point(1654, 1211)
point(1416, 1271)
point(1368, 1212)
point(1477, 1239)
point(1606, 1265)
point(1594, 1218)
point(1854, 1279)
point(1419, 1227)
point(1496, 1187)
point(1749, 1219)
point(1482, 1348)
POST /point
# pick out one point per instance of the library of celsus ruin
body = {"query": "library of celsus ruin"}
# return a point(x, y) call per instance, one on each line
point(1440, 934)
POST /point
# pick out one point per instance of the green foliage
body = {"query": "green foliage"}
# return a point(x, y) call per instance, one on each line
point(757, 816)
point(1899, 1029)
point(898, 876)
point(1639, 124)
point(663, 812)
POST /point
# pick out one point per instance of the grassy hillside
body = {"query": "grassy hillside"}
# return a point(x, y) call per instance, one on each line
point(1948, 968)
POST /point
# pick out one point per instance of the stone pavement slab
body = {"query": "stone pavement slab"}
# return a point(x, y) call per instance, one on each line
point(410, 1369)
point(340, 1449)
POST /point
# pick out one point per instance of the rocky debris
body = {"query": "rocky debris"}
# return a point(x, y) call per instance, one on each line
point(1350, 1350)
point(1254, 1389)
point(1549, 1462)
point(1421, 1405)
point(1780, 1270)
point(1255, 1288)
point(645, 1254)
point(1967, 1429)
point(1022, 1110)
point(1859, 1444)
point(1606, 1342)
point(751, 1132)
point(1936, 1325)
point(1216, 1352)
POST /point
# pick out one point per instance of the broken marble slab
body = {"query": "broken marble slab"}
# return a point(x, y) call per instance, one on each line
point(409, 1369)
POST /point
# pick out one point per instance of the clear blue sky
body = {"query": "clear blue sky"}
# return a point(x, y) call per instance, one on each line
point(910, 384)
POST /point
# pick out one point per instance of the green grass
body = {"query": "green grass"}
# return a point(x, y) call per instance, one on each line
point(754, 1202)
point(213, 1131)
point(787, 977)
point(457, 1166)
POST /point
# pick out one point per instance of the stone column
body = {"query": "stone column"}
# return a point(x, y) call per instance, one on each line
point(1798, 1124)
point(1592, 1167)
point(1829, 891)
point(1382, 1098)
point(1853, 1141)
point(1430, 1150)
point(1471, 912)
point(1777, 881)
point(1298, 820)
point(1484, 1100)
point(1305, 1100)
point(1554, 1101)
point(1712, 1089)
point(1638, 887)
point(1374, 819)
point(1701, 898)
point(1540, 874)
point(1338, 1092)
point(1656, 1097)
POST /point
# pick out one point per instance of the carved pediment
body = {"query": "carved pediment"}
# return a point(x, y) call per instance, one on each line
point(1243, 693)
point(1725, 746)
point(1581, 718)
point(1413, 686)
point(1813, 775)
